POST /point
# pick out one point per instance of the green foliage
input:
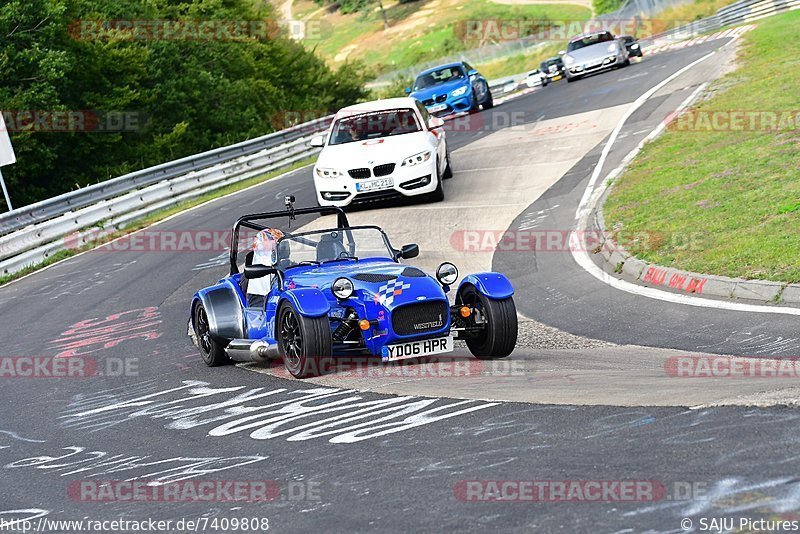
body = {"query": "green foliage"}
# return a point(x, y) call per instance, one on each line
point(194, 94)
point(606, 6)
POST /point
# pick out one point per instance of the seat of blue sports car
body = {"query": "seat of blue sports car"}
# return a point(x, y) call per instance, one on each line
point(329, 248)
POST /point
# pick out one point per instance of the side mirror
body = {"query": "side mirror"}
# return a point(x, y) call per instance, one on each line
point(435, 122)
point(317, 141)
point(408, 90)
point(409, 251)
point(258, 271)
point(562, 52)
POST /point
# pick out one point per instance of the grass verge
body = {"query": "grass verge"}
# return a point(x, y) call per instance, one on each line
point(724, 199)
point(153, 218)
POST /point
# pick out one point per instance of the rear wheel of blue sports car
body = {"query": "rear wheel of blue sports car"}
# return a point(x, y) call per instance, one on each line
point(304, 342)
point(498, 319)
point(213, 352)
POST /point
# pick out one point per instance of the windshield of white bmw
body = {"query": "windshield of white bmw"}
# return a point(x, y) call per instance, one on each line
point(431, 79)
point(374, 125)
point(589, 40)
point(339, 244)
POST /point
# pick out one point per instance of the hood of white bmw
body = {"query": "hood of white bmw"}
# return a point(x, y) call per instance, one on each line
point(371, 152)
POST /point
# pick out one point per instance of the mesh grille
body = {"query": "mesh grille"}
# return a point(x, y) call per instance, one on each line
point(359, 173)
point(418, 318)
point(441, 98)
point(374, 278)
point(383, 170)
point(375, 196)
point(428, 102)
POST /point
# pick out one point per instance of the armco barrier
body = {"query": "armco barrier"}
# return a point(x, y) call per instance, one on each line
point(86, 196)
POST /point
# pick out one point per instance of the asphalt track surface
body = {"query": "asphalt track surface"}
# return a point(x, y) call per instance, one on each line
point(352, 461)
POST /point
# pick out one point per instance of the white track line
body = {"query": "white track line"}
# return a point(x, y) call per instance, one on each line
point(592, 196)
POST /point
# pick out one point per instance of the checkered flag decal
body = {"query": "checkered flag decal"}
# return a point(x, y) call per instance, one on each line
point(388, 290)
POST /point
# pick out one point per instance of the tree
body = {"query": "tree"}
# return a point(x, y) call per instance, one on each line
point(180, 95)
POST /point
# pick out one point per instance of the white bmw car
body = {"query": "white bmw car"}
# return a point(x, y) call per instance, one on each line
point(380, 150)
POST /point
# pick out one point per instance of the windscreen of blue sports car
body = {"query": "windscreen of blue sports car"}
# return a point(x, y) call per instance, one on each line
point(338, 244)
point(436, 77)
point(374, 125)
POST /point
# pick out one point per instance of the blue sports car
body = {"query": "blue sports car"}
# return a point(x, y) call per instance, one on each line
point(343, 291)
point(451, 88)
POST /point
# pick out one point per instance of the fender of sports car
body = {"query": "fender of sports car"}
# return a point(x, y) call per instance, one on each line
point(492, 285)
point(309, 302)
point(224, 309)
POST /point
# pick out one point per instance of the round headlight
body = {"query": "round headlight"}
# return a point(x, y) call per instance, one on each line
point(447, 273)
point(342, 288)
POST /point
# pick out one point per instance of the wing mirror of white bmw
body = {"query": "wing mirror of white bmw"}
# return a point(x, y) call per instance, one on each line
point(435, 122)
point(317, 141)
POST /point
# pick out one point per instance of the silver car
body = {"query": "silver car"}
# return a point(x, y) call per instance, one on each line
point(594, 52)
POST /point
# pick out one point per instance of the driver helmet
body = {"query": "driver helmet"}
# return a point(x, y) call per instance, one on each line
point(265, 246)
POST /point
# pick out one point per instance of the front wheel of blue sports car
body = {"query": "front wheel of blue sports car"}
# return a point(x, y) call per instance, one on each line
point(304, 342)
point(497, 322)
point(213, 352)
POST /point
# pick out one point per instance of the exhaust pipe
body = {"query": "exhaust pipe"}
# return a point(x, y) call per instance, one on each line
point(247, 350)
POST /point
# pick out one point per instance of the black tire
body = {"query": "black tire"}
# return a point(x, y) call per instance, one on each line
point(211, 350)
point(448, 170)
point(500, 336)
point(489, 103)
point(626, 63)
point(304, 343)
point(438, 194)
point(572, 79)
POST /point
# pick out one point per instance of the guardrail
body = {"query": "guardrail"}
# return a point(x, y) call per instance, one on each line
point(53, 207)
point(740, 12)
point(31, 234)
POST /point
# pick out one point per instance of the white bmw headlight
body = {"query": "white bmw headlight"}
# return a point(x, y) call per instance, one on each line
point(460, 91)
point(416, 159)
point(342, 288)
point(323, 172)
point(612, 47)
point(447, 273)
point(569, 60)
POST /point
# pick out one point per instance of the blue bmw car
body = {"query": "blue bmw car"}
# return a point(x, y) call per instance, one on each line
point(451, 88)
